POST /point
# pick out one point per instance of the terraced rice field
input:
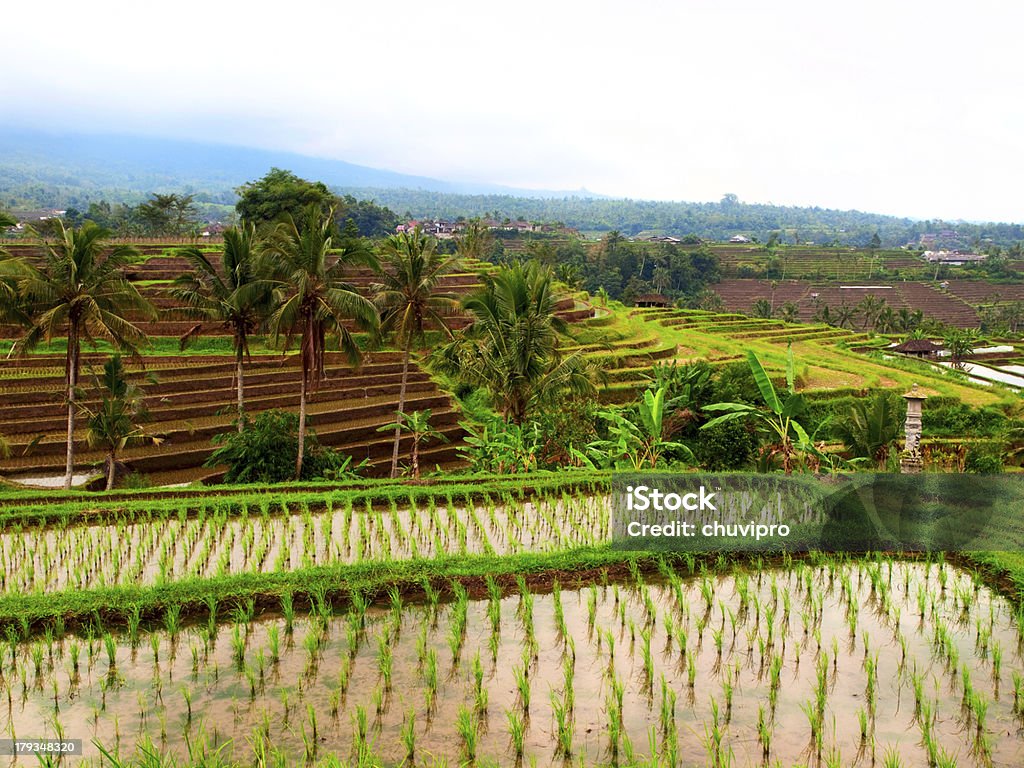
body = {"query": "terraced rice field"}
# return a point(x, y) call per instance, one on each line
point(193, 400)
point(946, 306)
point(825, 662)
point(627, 342)
point(820, 263)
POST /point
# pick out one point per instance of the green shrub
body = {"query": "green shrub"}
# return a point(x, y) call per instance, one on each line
point(960, 420)
point(727, 446)
point(136, 480)
point(983, 460)
point(266, 448)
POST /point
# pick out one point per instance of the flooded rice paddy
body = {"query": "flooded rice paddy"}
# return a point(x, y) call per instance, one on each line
point(835, 663)
point(216, 543)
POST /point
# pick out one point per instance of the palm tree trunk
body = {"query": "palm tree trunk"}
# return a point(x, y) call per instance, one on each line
point(241, 390)
point(415, 457)
point(302, 427)
point(401, 411)
point(111, 469)
point(72, 382)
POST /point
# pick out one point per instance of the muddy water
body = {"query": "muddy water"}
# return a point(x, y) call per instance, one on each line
point(143, 696)
point(90, 556)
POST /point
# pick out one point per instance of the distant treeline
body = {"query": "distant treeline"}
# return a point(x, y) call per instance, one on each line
point(715, 221)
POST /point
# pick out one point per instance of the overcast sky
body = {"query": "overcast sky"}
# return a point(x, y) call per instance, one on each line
point(908, 108)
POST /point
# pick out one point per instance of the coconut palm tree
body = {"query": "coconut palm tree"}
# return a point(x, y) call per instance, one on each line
point(476, 241)
point(871, 427)
point(313, 299)
point(117, 422)
point(869, 308)
point(80, 291)
point(408, 297)
point(887, 321)
point(844, 315)
point(236, 297)
point(511, 348)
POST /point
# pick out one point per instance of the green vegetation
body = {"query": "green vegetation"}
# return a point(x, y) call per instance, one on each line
point(119, 418)
point(313, 299)
point(262, 451)
point(408, 298)
point(512, 348)
point(236, 296)
point(81, 292)
point(478, 609)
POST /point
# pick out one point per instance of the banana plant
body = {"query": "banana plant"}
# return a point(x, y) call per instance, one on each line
point(779, 420)
point(638, 444)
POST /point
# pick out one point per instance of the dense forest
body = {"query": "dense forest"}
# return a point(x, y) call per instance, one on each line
point(715, 221)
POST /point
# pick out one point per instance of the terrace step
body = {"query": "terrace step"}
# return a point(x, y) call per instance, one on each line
point(357, 438)
point(319, 413)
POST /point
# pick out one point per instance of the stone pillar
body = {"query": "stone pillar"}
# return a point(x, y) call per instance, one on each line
point(910, 459)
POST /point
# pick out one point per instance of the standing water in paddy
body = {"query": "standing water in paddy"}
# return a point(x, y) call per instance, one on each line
point(815, 664)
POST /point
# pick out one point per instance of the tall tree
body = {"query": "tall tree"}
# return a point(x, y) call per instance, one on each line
point(407, 298)
point(869, 308)
point(169, 214)
point(237, 296)
point(281, 194)
point(511, 348)
point(313, 298)
point(81, 291)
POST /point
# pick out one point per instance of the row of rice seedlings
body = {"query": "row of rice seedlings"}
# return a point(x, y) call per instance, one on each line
point(215, 543)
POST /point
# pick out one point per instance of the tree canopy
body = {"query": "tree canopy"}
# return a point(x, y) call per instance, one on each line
point(281, 193)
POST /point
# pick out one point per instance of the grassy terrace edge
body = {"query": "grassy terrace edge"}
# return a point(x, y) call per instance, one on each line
point(215, 597)
point(66, 507)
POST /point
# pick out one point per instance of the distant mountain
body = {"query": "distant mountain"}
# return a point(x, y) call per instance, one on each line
point(72, 169)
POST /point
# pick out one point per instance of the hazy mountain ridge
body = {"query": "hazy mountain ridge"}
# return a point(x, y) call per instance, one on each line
point(74, 169)
point(43, 170)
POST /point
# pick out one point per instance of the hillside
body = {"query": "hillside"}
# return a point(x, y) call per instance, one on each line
point(70, 170)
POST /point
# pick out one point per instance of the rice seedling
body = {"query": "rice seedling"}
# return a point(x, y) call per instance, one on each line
point(764, 734)
point(516, 732)
point(385, 660)
point(1018, 693)
point(430, 679)
point(523, 688)
point(468, 728)
point(274, 641)
point(479, 691)
point(891, 758)
point(408, 735)
point(564, 726)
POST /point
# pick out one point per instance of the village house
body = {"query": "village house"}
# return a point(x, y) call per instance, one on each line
point(653, 300)
point(921, 348)
point(953, 258)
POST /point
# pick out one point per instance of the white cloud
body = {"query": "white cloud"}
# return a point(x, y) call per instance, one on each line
point(906, 108)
